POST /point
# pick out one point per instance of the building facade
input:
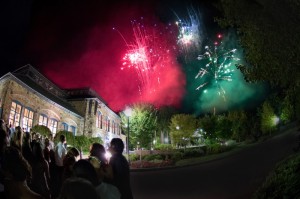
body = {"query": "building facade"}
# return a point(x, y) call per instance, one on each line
point(28, 98)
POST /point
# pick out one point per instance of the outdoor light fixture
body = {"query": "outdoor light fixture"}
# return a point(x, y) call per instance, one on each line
point(128, 112)
point(275, 120)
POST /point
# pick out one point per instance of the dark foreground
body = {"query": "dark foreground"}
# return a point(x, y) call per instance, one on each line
point(234, 177)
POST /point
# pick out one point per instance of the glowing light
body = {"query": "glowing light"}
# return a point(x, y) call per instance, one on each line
point(217, 66)
point(107, 155)
point(275, 120)
point(190, 34)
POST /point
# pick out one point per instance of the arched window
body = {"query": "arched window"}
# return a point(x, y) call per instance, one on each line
point(15, 113)
point(43, 120)
point(99, 120)
point(27, 119)
point(73, 130)
point(53, 125)
point(65, 126)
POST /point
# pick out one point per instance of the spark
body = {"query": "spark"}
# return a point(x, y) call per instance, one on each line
point(148, 54)
point(217, 66)
point(190, 34)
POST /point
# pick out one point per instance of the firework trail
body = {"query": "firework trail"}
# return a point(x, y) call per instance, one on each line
point(218, 66)
point(148, 54)
point(190, 34)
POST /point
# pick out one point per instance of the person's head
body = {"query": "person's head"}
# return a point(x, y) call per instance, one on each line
point(116, 145)
point(77, 188)
point(19, 133)
point(62, 138)
point(74, 152)
point(84, 169)
point(37, 151)
point(47, 142)
point(15, 165)
point(27, 137)
point(97, 150)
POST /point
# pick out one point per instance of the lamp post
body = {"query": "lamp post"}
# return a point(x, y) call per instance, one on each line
point(128, 112)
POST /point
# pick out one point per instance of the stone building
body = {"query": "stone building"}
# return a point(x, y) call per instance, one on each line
point(27, 98)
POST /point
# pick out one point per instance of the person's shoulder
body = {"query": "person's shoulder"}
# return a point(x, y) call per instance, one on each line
point(108, 190)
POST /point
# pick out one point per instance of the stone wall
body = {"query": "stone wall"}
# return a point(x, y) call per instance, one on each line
point(14, 91)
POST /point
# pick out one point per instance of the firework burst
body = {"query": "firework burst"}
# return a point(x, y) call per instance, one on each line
point(190, 34)
point(218, 66)
point(149, 54)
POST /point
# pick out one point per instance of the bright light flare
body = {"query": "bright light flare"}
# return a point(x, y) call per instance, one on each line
point(107, 155)
point(275, 120)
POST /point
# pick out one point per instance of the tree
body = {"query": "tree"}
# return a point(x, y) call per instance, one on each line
point(287, 111)
point(223, 130)
point(268, 118)
point(209, 125)
point(238, 119)
point(182, 128)
point(164, 116)
point(268, 34)
point(271, 50)
point(142, 125)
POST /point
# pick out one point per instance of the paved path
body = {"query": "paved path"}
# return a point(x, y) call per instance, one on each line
point(234, 177)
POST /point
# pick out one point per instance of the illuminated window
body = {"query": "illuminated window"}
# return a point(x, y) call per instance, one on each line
point(65, 126)
point(15, 114)
point(99, 120)
point(43, 120)
point(73, 130)
point(53, 126)
point(27, 119)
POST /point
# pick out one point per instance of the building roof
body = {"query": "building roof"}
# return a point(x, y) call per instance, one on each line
point(80, 93)
point(38, 82)
point(32, 78)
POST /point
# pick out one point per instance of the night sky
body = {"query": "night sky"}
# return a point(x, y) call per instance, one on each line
point(83, 44)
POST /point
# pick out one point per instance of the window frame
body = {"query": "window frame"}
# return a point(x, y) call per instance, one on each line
point(43, 120)
point(27, 121)
point(15, 119)
point(53, 124)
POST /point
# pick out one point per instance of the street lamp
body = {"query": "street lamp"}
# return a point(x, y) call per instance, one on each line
point(128, 112)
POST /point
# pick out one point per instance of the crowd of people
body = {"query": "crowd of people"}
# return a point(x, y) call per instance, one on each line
point(31, 167)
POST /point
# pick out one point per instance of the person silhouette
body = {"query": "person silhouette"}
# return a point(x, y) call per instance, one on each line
point(120, 168)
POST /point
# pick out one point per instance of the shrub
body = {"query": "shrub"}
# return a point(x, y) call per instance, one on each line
point(214, 148)
point(95, 139)
point(163, 147)
point(43, 130)
point(176, 156)
point(194, 152)
point(152, 157)
point(82, 142)
point(134, 157)
point(283, 182)
point(69, 137)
